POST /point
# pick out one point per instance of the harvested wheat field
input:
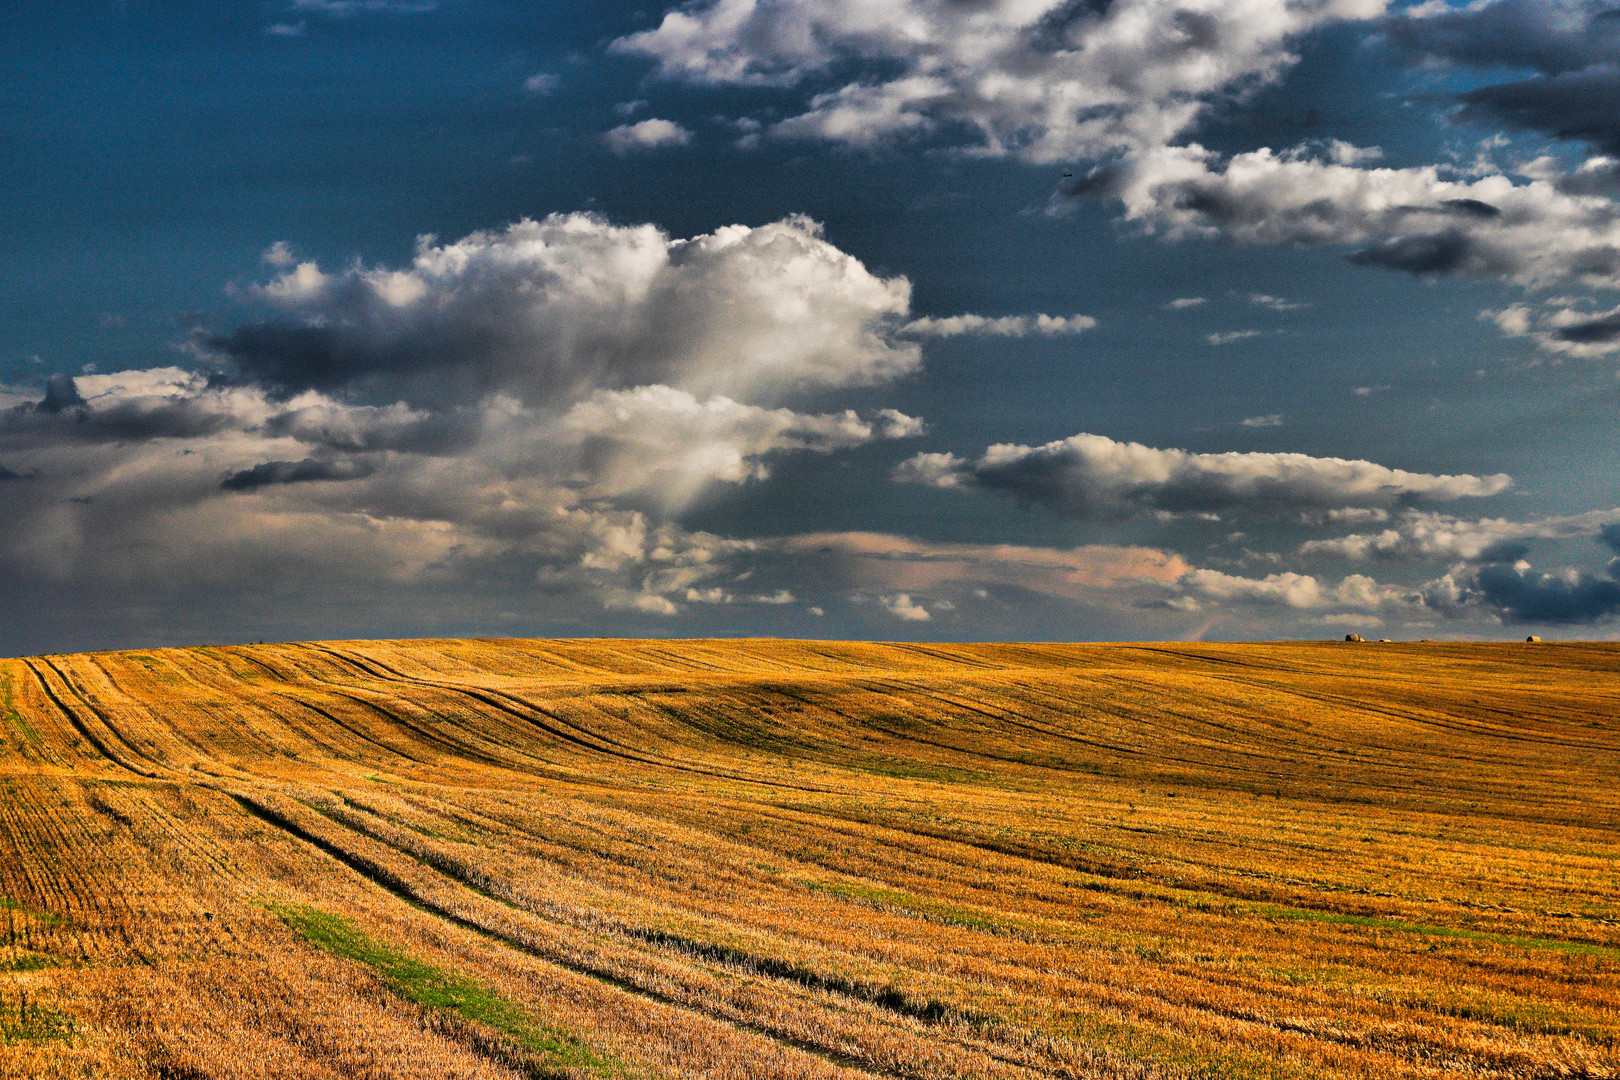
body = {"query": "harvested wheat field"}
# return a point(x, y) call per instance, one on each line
point(790, 859)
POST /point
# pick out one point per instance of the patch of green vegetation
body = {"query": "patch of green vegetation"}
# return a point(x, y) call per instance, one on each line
point(8, 710)
point(554, 1052)
point(28, 1021)
point(27, 962)
point(45, 917)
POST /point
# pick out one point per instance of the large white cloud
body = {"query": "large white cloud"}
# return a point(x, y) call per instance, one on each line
point(1355, 592)
point(549, 310)
point(1095, 476)
point(1043, 80)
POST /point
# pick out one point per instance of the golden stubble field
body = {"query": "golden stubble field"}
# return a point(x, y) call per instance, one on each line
point(447, 859)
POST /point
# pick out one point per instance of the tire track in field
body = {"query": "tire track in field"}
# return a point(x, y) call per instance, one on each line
point(1158, 1006)
point(1365, 705)
point(512, 706)
point(79, 726)
point(936, 1014)
point(405, 890)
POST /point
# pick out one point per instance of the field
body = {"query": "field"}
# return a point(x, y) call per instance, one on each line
point(503, 859)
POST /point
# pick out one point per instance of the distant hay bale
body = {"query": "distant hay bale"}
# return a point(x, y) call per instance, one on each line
point(1385, 640)
point(1352, 637)
point(1533, 638)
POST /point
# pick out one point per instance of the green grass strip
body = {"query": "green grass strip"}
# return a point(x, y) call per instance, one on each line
point(26, 1021)
point(24, 962)
point(555, 1053)
point(45, 917)
point(8, 710)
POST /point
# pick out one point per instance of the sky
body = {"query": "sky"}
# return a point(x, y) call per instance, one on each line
point(884, 319)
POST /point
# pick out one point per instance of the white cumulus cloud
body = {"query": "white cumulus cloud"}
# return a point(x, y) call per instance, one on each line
point(1042, 80)
point(649, 134)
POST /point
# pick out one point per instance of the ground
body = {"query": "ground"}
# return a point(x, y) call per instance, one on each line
point(804, 859)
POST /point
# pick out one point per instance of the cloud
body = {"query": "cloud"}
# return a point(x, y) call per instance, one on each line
point(550, 310)
point(1092, 476)
point(1185, 302)
point(1551, 36)
point(1044, 81)
point(542, 83)
point(667, 442)
point(1269, 420)
point(902, 607)
point(1016, 326)
point(279, 254)
point(1538, 233)
point(1583, 105)
point(344, 8)
point(135, 405)
point(1420, 534)
point(533, 406)
point(1519, 593)
point(649, 134)
point(297, 472)
point(61, 395)
point(1276, 303)
point(1570, 45)
point(881, 562)
point(287, 30)
point(1290, 590)
point(1227, 337)
point(1562, 326)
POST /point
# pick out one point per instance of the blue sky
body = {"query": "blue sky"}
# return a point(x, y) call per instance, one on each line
point(915, 319)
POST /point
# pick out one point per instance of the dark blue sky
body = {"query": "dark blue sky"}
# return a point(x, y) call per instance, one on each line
point(154, 154)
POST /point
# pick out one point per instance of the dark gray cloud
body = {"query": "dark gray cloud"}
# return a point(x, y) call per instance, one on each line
point(1517, 592)
point(1572, 46)
point(1599, 331)
point(1583, 105)
point(161, 403)
point(1549, 36)
point(297, 472)
point(61, 395)
point(7, 474)
point(1524, 595)
point(287, 357)
point(1438, 253)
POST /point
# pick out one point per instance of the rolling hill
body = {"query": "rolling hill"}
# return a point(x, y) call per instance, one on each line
point(806, 859)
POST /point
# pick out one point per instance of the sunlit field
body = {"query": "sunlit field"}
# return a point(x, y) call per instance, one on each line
point(789, 859)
